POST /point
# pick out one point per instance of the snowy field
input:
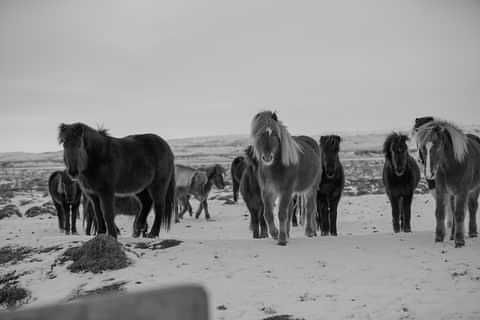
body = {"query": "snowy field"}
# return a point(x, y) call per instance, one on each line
point(366, 272)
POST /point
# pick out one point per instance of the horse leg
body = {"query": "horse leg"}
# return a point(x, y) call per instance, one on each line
point(268, 200)
point(101, 227)
point(395, 203)
point(311, 214)
point(442, 200)
point(284, 221)
point(236, 186)
point(333, 204)
point(88, 216)
point(158, 192)
point(407, 212)
point(205, 206)
point(140, 226)
point(323, 214)
point(254, 222)
point(75, 214)
point(263, 224)
point(107, 202)
point(472, 208)
point(177, 214)
point(294, 214)
point(460, 208)
point(199, 210)
point(61, 216)
point(449, 212)
point(66, 207)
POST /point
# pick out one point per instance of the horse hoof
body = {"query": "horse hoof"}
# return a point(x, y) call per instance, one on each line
point(473, 235)
point(311, 234)
point(333, 234)
point(177, 220)
point(282, 243)
point(407, 230)
point(459, 244)
point(324, 233)
point(152, 235)
point(136, 234)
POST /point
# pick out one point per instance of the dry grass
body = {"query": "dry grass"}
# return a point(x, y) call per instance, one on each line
point(99, 254)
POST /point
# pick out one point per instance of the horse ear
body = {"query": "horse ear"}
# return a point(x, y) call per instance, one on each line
point(323, 140)
point(61, 132)
point(274, 116)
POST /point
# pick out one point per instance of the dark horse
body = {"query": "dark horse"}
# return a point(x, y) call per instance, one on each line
point(236, 170)
point(251, 194)
point(287, 166)
point(473, 198)
point(66, 196)
point(401, 176)
point(331, 186)
point(452, 158)
point(105, 166)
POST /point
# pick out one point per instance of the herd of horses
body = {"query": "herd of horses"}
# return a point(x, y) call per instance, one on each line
point(296, 173)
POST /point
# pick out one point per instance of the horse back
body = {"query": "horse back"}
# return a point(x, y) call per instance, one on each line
point(54, 182)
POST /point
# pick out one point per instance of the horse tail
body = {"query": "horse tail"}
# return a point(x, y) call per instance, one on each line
point(166, 216)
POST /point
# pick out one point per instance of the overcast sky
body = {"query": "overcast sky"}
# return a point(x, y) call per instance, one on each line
point(190, 68)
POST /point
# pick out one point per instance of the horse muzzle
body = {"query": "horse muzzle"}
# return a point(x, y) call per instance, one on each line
point(268, 160)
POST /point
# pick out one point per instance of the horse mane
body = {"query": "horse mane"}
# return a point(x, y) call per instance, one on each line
point(391, 138)
point(250, 156)
point(289, 147)
point(446, 129)
point(331, 142)
point(74, 130)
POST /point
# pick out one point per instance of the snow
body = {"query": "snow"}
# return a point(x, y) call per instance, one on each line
point(367, 272)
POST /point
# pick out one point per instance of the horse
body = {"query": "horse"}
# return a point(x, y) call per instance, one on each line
point(105, 167)
point(452, 158)
point(331, 186)
point(236, 170)
point(472, 201)
point(66, 196)
point(287, 166)
point(197, 183)
point(251, 194)
point(401, 176)
point(129, 206)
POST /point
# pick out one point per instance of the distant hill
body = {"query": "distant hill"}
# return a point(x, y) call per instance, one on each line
point(222, 149)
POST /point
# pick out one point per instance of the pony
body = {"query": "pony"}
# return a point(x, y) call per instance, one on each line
point(66, 196)
point(287, 166)
point(452, 159)
point(401, 176)
point(472, 201)
point(197, 183)
point(129, 206)
point(251, 194)
point(105, 167)
point(236, 171)
point(332, 184)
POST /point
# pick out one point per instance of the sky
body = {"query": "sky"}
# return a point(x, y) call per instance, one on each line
point(196, 68)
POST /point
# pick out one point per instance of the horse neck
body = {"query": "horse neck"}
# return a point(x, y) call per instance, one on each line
point(97, 144)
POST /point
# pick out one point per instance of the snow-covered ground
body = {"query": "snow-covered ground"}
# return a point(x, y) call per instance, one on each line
point(367, 272)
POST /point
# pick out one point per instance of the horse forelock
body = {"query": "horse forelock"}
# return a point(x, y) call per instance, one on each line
point(444, 129)
point(267, 121)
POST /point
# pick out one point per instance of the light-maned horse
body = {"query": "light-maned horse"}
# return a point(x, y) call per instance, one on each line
point(452, 159)
point(287, 166)
point(105, 167)
point(401, 176)
point(473, 199)
point(66, 196)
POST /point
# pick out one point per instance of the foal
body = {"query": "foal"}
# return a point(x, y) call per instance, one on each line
point(66, 196)
point(401, 176)
point(331, 186)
